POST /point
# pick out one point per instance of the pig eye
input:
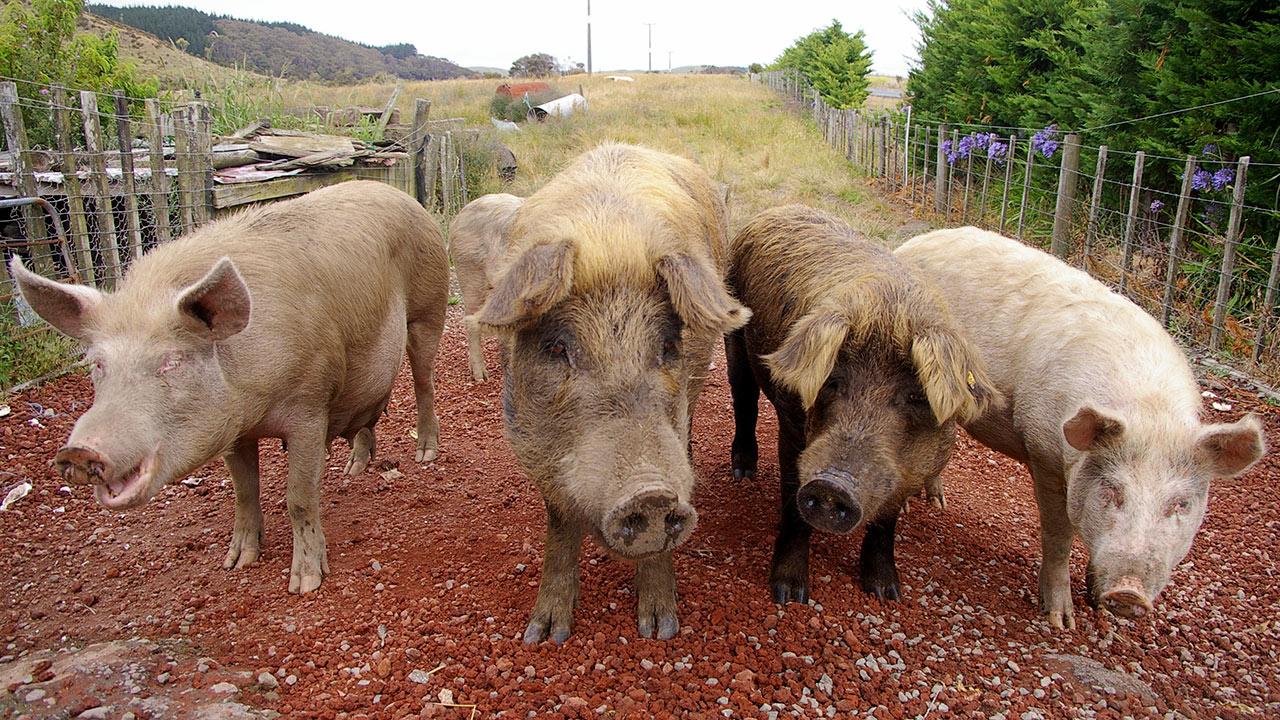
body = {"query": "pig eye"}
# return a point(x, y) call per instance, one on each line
point(1111, 495)
point(670, 350)
point(172, 361)
point(1177, 506)
point(558, 349)
point(95, 368)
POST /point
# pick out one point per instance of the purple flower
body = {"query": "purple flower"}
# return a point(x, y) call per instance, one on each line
point(997, 150)
point(947, 149)
point(966, 145)
point(1156, 206)
point(1200, 180)
point(44, 91)
point(1223, 178)
point(1210, 149)
point(1044, 141)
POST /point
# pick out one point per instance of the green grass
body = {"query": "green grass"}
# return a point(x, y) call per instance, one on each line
point(27, 353)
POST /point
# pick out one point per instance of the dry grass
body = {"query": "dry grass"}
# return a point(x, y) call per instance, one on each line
point(738, 131)
point(156, 58)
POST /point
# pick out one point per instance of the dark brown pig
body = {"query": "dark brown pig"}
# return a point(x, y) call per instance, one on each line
point(477, 239)
point(287, 321)
point(868, 373)
point(610, 300)
point(1100, 405)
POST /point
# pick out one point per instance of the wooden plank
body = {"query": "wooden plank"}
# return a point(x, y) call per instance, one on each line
point(202, 159)
point(300, 146)
point(71, 184)
point(418, 139)
point(182, 158)
point(951, 169)
point(986, 181)
point(159, 178)
point(95, 147)
point(15, 136)
point(1095, 202)
point(968, 182)
point(1175, 243)
point(1229, 255)
point(1131, 222)
point(1065, 203)
point(124, 133)
point(229, 196)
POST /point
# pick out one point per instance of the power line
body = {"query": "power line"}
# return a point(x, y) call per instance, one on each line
point(1182, 110)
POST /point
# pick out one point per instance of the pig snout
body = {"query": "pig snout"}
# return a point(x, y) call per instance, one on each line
point(1127, 597)
point(648, 521)
point(82, 465)
point(829, 502)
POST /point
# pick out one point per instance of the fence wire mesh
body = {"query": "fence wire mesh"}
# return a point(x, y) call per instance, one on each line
point(1173, 234)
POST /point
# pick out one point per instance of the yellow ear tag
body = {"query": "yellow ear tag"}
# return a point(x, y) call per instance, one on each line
point(973, 382)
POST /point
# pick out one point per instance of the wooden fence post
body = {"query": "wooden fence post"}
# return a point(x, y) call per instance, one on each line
point(968, 182)
point(1264, 321)
point(1131, 222)
point(202, 134)
point(71, 184)
point(951, 169)
point(1065, 204)
point(125, 136)
point(1026, 188)
point(421, 138)
point(1095, 202)
point(1175, 240)
point(159, 176)
point(1229, 255)
point(1010, 156)
point(95, 147)
point(986, 180)
point(181, 117)
point(939, 172)
point(15, 137)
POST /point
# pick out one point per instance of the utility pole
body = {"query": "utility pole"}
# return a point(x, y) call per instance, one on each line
point(588, 37)
point(651, 45)
point(668, 61)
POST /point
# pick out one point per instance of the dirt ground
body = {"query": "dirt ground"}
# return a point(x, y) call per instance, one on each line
point(435, 568)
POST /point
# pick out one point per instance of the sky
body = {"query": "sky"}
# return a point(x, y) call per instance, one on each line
point(494, 33)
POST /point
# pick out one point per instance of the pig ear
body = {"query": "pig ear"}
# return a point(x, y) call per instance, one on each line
point(698, 294)
point(531, 285)
point(1228, 450)
point(218, 305)
point(69, 308)
point(803, 361)
point(1090, 426)
point(952, 375)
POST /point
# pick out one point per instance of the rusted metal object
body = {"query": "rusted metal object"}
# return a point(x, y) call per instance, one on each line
point(58, 232)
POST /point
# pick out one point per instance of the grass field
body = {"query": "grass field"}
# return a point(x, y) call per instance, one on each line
point(739, 131)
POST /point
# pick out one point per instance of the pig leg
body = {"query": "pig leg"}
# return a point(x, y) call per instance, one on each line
point(1055, 548)
point(933, 491)
point(878, 571)
point(474, 290)
point(246, 537)
point(558, 591)
point(424, 339)
point(364, 445)
point(789, 576)
point(656, 588)
point(306, 468)
point(746, 398)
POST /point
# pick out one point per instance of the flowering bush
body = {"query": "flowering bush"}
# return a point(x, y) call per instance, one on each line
point(1046, 141)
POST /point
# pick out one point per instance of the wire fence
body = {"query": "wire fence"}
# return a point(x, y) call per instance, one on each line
point(119, 176)
point(1174, 235)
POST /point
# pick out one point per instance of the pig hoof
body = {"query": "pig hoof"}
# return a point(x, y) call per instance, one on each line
point(240, 557)
point(1059, 620)
point(884, 585)
point(478, 374)
point(306, 584)
point(744, 466)
point(938, 501)
point(544, 627)
point(666, 626)
point(785, 591)
point(425, 455)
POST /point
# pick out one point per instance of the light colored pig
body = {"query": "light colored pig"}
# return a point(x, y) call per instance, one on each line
point(610, 300)
point(1101, 406)
point(287, 321)
point(477, 239)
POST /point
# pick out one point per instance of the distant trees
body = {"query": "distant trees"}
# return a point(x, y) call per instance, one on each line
point(535, 65)
point(836, 64)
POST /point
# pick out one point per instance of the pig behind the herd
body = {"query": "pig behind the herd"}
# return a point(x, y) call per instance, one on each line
point(1099, 403)
point(287, 321)
point(478, 236)
point(610, 301)
point(867, 372)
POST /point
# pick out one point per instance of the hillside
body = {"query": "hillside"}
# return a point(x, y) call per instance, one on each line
point(156, 58)
point(280, 49)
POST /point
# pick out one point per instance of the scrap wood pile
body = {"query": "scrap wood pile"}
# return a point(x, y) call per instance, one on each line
point(259, 152)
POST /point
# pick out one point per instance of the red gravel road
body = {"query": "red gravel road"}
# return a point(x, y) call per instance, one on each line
point(435, 569)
